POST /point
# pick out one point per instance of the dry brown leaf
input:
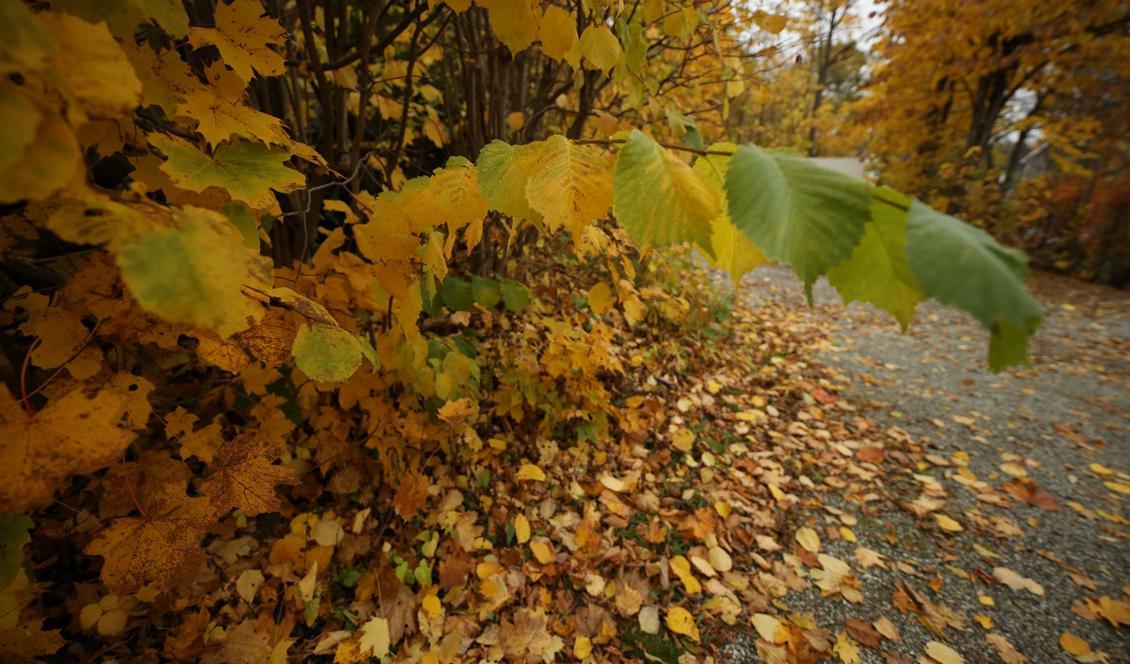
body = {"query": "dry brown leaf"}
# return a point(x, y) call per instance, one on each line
point(244, 476)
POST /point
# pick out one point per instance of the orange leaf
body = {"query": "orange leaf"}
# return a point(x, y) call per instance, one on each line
point(411, 495)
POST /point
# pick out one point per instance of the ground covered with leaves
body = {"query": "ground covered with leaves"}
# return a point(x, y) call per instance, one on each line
point(769, 494)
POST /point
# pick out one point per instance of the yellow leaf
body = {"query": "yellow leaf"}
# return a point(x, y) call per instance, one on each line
point(514, 22)
point(847, 534)
point(529, 471)
point(570, 185)
point(92, 67)
point(719, 559)
point(558, 35)
point(600, 298)
point(516, 120)
point(680, 621)
point(846, 649)
point(600, 48)
point(683, 440)
point(582, 647)
point(521, 529)
point(948, 524)
point(984, 621)
point(769, 628)
point(942, 653)
point(1117, 487)
point(432, 606)
point(1074, 645)
point(1100, 469)
point(774, 23)
point(243, 36)
point(375, 637)
point(248, 584)
point(808, 539)
point(542, 551)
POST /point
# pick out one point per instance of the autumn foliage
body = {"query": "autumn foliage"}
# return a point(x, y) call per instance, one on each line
point(299, 296)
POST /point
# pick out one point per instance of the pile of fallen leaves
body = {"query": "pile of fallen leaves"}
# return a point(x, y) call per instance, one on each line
point(659, 488)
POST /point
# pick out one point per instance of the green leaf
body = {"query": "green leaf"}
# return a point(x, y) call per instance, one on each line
point(503, 172)
point(731, 249)
point(326, 353)
point(368, 352)
point(877, 271)
point(485, 292)
point(240, 216)
point(658, 199)
point(805, 216)
point(457, 294)
point(635, 46)
point(247, 170)
point(192, 274)
point(960, 265)
point(14, 529)
point(515, 296)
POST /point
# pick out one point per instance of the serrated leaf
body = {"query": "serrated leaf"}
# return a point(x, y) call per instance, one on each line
point(326, 353)
point(192, 274)
point(878, 271)
point(659, 199)
point(244, 37)
point(731, 250)
point(503, 171)
point(805, 216)
point(960, 265)
point(571, 185)
point(247, 170)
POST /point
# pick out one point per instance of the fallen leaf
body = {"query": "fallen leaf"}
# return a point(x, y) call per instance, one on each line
point(248, 584)
point(529, 471)
point(864, 632)
point(846, 649)
point(942, 653)
point(808, 539)
point(375, 638)
point(948, 524)
point(411, 495)
point(680, 621)
point(1004, 649)
point(521, 529)
point(1016, 581)
point(769, 628)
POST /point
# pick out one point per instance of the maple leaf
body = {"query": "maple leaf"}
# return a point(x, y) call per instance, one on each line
point(527, 639)
point(159, 547)
point(411, 495)
point(246, 170)
point(218, 119)
point(72, 434)
point(244, 39)
point(244, 476)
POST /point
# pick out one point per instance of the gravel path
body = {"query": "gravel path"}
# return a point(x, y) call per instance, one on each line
point(1048, 425)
